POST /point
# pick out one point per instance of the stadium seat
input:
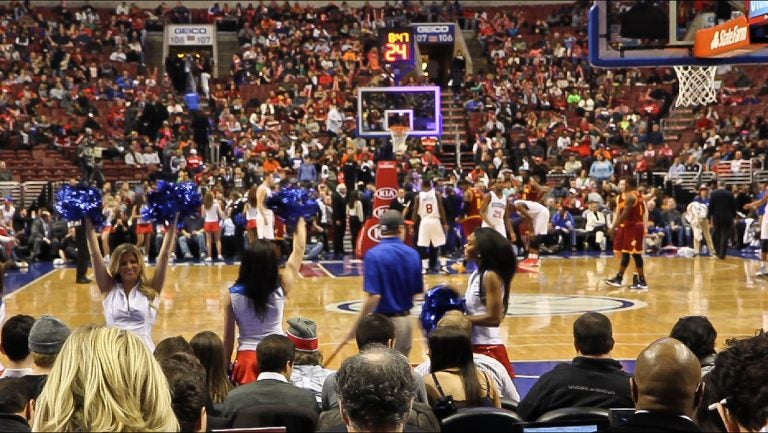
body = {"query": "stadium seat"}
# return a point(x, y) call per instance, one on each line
point(294, 419)
point(509, 404)
point(577, 414)
point(487, 419)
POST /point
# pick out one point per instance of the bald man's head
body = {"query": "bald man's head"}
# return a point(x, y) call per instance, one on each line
point(667, 378)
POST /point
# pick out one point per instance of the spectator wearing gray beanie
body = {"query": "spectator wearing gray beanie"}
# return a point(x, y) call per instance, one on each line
point(46, 338)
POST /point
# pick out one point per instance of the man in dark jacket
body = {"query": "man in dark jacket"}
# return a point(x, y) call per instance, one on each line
point(721, 214)
point(15, 405)
point(666, 389)
point(338, 206)
point(593, 379)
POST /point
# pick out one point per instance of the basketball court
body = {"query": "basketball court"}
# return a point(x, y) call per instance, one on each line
point(537, 328)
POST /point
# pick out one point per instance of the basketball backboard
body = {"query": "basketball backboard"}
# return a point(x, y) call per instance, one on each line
point(670, 29)
point(417, 107)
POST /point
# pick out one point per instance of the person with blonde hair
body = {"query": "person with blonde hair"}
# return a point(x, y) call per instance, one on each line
point(212, 214)
point(130, 297)
point(105, 380)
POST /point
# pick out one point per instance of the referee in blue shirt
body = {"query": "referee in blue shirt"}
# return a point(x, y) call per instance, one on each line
point(392, 277)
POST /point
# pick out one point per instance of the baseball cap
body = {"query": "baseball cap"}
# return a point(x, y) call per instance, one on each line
point(303, 333)
point(47, 335)
point(391, 220)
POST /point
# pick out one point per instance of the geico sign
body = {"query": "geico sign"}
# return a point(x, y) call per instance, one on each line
point(726, 37)
point(191, 31)
point(433, 29)
point(379, 211)
point(374, 233)
point(386, 193)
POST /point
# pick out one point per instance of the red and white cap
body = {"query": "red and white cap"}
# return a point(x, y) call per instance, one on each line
point(303, 333)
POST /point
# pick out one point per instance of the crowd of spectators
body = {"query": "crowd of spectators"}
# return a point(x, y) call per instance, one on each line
point(546, 115)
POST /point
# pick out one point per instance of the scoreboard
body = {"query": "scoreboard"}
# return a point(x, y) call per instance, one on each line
point(396, 46)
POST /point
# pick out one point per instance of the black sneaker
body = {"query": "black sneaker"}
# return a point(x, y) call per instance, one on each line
point(615, 281)
point(640, 285)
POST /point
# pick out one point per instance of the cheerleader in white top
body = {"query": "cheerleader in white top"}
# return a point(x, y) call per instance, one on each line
point(212, 213)
point(488, 290)
point(265, 221)
point(257, 300)
point(494, 212)
point(251, 211)
point(131, 298)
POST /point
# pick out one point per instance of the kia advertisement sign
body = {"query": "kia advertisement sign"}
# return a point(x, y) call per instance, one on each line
point(386, 191)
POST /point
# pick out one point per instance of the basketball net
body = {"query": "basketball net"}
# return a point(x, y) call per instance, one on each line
point(697, 85)
point(399, 134)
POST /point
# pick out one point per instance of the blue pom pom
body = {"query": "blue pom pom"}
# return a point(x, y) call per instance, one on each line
point(438, 301)
point(169, 199)
point(240, 220)
point(293, 203)
point(74, 203)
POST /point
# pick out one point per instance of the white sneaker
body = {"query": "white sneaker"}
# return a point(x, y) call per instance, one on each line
point(220, 258)
point(208, 259)
point(59, 262)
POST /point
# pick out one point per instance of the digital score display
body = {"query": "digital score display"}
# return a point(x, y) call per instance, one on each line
point(396, 45)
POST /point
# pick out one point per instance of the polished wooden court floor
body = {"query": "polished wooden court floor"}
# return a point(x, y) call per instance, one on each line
point(538, 327)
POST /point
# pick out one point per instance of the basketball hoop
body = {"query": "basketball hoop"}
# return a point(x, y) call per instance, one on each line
point(399, 134)
point(697, 85)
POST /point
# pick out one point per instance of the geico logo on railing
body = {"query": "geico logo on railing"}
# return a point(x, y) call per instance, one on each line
point(190, 31)
point(374, 233)
point(379, 211)
point(433, 29)
point(726, 37)
point(386, 193)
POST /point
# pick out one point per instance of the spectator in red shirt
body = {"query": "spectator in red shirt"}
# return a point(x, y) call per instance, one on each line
point(194, 162)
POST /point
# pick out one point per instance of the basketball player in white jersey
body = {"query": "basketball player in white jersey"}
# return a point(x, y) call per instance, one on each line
point(761, 206)
point(537, 216)
point(265, 220)
point(494, 210)
point(429, 214)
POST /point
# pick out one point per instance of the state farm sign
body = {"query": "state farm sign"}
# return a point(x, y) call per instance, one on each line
point(726, 40)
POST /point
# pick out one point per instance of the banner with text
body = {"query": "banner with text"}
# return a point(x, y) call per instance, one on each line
point(434, 33)
point(191, 35)
point(386, 191)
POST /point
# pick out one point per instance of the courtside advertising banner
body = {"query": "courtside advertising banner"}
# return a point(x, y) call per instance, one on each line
point(386, 191)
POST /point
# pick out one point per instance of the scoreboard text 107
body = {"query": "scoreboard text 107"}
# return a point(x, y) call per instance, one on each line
point(396, 45)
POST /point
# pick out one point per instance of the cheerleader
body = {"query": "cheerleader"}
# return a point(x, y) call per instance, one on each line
point(143, 227)
point(251, 211)
point(212, 213)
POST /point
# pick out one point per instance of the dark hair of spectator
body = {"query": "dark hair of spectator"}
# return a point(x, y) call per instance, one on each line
point(451, 347)
point(274, 352)
point(259, 274)
point(189, 391)
point(705, 418)
point(376, 389)
point(210, 351)
point(741, 375)
point(171, 345)
point(14, 337)
point(497, 256)
point(15, 393)
point(374, 328)
point(697, 333)
point(593, 334)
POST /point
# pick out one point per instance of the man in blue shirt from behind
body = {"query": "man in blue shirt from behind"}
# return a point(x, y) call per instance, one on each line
point(392, 277)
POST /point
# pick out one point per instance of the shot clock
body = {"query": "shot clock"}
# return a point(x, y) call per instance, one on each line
point(396, 46)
